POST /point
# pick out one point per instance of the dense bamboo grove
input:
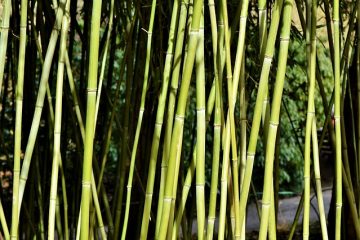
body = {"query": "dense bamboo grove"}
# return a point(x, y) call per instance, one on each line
point(167, 119)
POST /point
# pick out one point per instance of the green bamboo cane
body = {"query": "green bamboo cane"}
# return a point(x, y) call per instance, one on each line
point(18, 121)
point(171, 107)
point(296, 217)
point(176, 139)
point(274, 118)
point(97, 208)
point(262, 20)
point(39, 199)
point(77, 110)
point(3, 222)
point(90, 117)
point(114, 105)
point(258, 106)
point(232, 90)
point(243, 122)
point(319, 195)
point(160, 115)
point(120, 180)
point(103, 62)
point(338, 159)
point(191, 170)
point(138, 127)
point(4, 38)
point(311, 56)
point(57, 123)
point(40, 100)
point(65, 201)
point(217, 127)
point(200, 132)
point(58, 219)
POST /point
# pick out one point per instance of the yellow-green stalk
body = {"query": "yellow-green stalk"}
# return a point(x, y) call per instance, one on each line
point(57, 123)
point(159, 120)
point(274, 118)
point(18, 118)
point(138, 127)
point(4, 38)
point(338, 161)
point(90, 119)
point(176, 139)
point(200, 132)
point(183, 20)
point(269, 52)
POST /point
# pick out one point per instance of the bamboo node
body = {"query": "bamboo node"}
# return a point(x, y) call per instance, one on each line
point(180, 117)
point(194, 32)
point(86, 184)
point(91, 90)
point(285, 39)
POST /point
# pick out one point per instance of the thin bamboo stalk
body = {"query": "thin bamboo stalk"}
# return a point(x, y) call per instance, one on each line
point(217, 126)
point(274, 118)
point(90, 118)
point(319, 194)
point(311, 56)
point(138, 127)
point(200, 132)
point(160, 116)
point(40, 100)
point(258, 106)
point(57, 123)
point(171, 107)
point(103, 62)
point(338, 158)
point(4, 38)
point(176, 139)
point(18, 121)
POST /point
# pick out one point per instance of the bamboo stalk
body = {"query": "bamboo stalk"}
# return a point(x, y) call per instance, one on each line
point(57, 123)
point(176, 139)
point(311, 57)
point(138, 127)
point(159, 120)
point(200, 132)
point(274, 118)
point(258, 106)
point(40, 100)
point(217, 126)
point(18, 120)
point(338, 159)
point(171, 107)
point(4, 38)
point(90, 118)
point(319, 194)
